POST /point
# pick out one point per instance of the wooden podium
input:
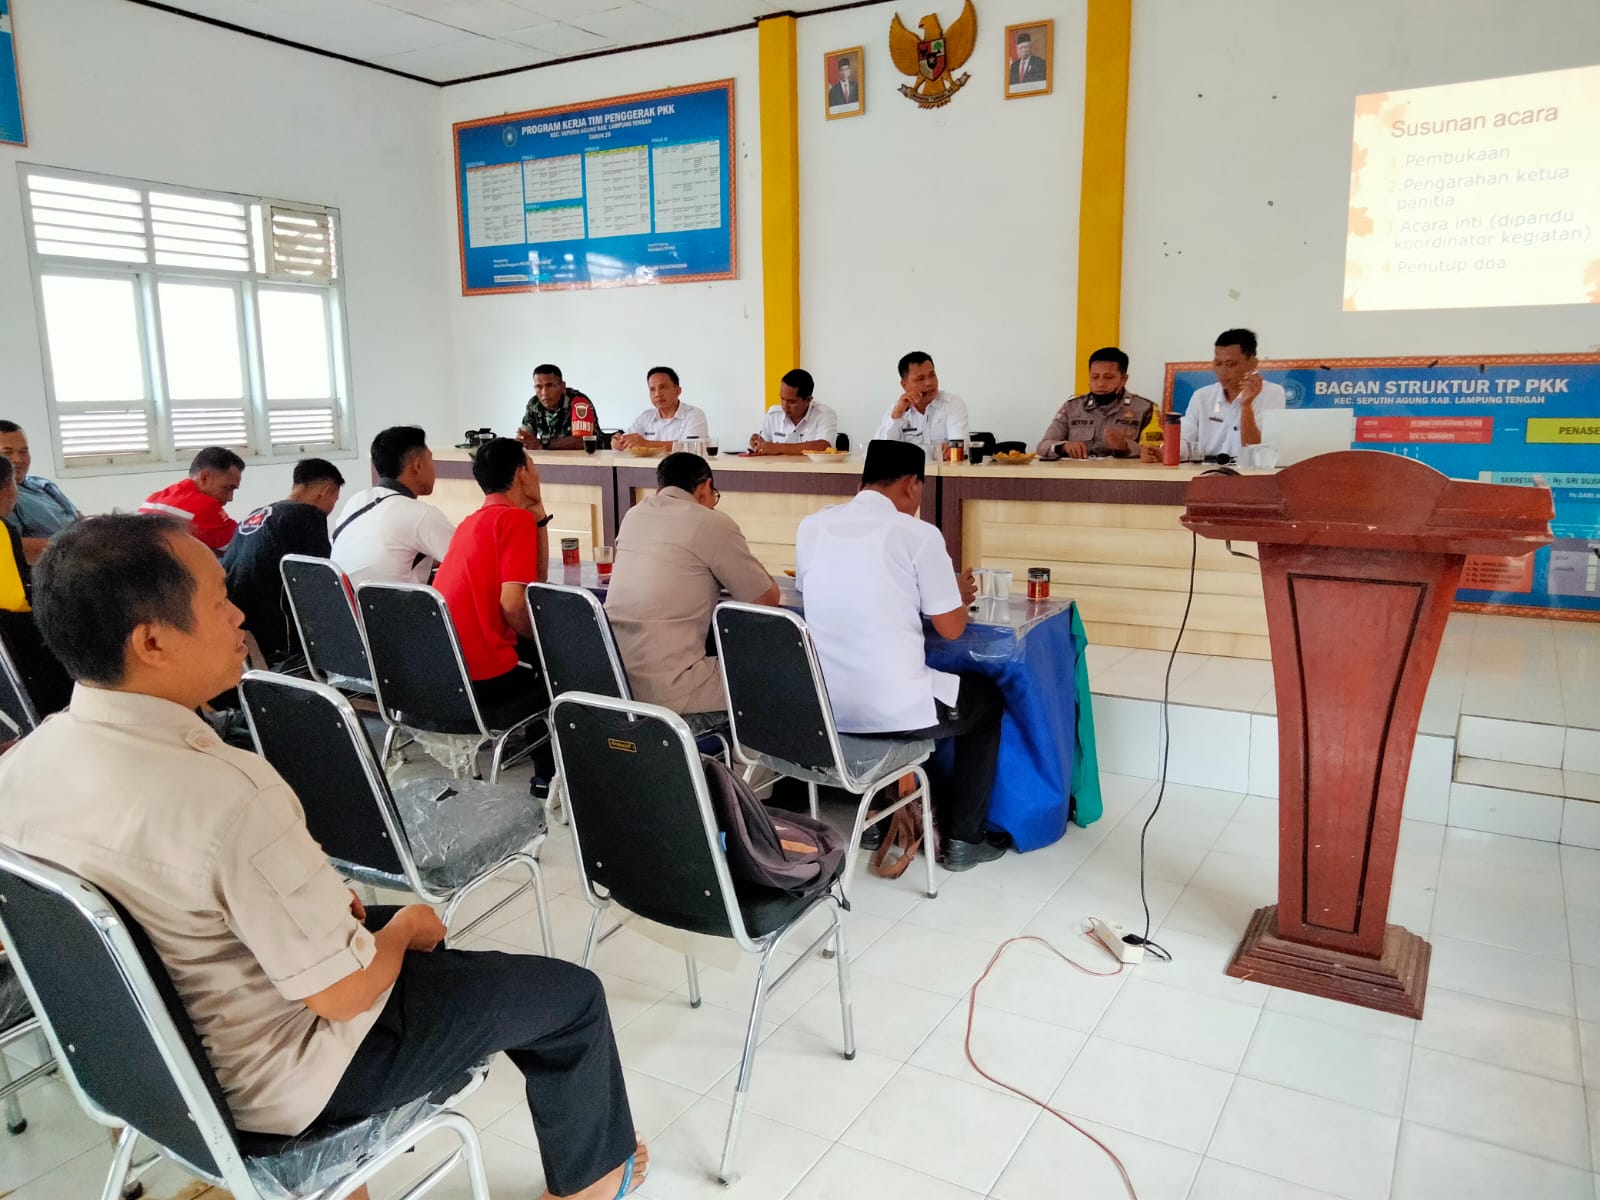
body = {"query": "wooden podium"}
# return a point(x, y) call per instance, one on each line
point(1360, 553)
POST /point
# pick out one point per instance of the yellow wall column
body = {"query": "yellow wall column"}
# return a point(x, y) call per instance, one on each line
point(1105, 136)
point(780, 199)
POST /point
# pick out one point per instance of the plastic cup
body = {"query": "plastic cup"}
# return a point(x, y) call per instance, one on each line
point(999, 583)
point(711, 447)
point(604, 557)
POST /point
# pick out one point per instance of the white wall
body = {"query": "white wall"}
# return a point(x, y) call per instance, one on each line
point(125, 90)
point(605, 339)
point(952, 230)
point(1239, 170)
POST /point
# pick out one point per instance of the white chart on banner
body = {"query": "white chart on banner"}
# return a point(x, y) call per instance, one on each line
point(547, 179)
point(561, 224)
point(688, 180)
point(617, 184)
point(494, 206)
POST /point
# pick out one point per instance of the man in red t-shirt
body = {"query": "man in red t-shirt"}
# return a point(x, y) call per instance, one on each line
point(197, 501)
point(495, 553)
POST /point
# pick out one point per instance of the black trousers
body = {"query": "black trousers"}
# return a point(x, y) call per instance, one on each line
point(962, 780)
point(519, 693)
point(453, 1008)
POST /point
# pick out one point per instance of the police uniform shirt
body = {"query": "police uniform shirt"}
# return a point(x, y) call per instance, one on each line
point(208, 850)
point(819, 424)
point(1211, 422)
point(565, 421)
point(1086, 418)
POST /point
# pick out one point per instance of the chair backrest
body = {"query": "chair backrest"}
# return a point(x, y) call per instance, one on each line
point(325, 618)
point(641, 816)
point(113, 1019)
point(777, 699)
point(313, 738)
point(17, 713)
point(575, 643)
point(418, 674)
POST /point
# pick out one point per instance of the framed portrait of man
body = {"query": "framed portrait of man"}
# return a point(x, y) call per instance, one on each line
point(843, 80)
point(1028, 48)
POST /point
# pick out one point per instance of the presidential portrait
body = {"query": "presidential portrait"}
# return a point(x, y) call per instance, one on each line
point(1028, 50)
point(843, 79)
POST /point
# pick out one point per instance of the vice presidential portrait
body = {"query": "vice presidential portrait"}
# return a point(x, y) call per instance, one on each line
point(1028, 59)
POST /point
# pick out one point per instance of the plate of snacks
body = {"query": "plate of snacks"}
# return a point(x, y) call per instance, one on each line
point(1013, 458)
point(825, 456)
point(645, 451)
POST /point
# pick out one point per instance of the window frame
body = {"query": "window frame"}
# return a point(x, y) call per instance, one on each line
point(147, 278)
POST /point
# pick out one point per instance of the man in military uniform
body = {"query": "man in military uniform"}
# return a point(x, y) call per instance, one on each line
point(557, 417)
point(1105, 420)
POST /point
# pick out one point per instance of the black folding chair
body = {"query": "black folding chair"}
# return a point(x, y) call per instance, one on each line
point(439, 839)
point(420, 678)
point(18, 716)
point(326, 622)
point(647, 838)
point(17, 1022)
point(133, 1059)
point(782, 719)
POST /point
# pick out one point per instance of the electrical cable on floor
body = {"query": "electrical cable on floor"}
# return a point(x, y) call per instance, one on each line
point(972, 1004)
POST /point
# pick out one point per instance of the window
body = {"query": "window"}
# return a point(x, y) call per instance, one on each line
point(177, 319)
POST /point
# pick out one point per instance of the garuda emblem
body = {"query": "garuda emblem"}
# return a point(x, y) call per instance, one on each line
point(933, 59)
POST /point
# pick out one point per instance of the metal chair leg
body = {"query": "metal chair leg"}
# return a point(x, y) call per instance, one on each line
point(694, 980)
point(927, 830)
point(811, 795)
point(842, 961)
point(121, 1160)
point(545, 933)
point(15, 1121)
point(746, 1067)
point(589, 942)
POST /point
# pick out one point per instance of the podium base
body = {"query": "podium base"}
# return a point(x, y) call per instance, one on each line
point(1397, 982)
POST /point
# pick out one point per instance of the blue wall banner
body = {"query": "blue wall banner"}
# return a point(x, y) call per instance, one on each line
point(11, 127)
point(1530, 419)
point(632, 190)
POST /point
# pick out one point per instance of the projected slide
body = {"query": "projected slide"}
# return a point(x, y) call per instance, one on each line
point(1475, 195)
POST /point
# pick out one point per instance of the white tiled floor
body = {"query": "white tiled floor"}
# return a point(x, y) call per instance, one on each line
point(1208, 1087)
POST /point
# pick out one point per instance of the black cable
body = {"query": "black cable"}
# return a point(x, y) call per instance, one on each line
point(1166, 751)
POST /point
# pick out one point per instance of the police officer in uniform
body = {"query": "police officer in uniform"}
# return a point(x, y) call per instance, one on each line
point(1104, 421)
point(557, 417)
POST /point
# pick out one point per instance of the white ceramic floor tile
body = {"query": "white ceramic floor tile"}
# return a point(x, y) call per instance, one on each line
point(1102, 659)
point(1307, 1140)
point(974, 909)
point(1341, 1016)
point(847, 1174)
point(1586, 992)
point(1500, 974)
point(85, 1175)
point(1536, 892)
point(1582, 749)
point(1143, 673)
point(1359, 1069)
point(1506, 1035)
point(891, 1018)
point(1525, 854)
point(514, 1169)
point(1125, 734)
point(57, 1133)
point(1487, 919)
point(1263, 755)
point(1111, 893)
point(769, 1161)
point(1222, 916)
point(962, 1134)
point(939, 962)
point(1179, 1023)
point(1507, 1108)
point(1233, 683)
point(733, 990)
point(1056, 1159)
point(1580, 820)
point(1589, 1039)
point(1428, 780)
point(1199, 964)
point(1150, 1094)
point(1255, 839)
point(1030, 1055)
point(1516, 776)
point(1248, 875)
point(1511, 741)
point(1210, 748)
point(1031, 982)
point(1432, 1163)
point(692, 1048)
point(1218, 1180)
point(806, 1083)
point(1498, 810)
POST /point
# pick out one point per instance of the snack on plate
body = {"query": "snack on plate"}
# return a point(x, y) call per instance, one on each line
point(1014, 458)
point(645, 451)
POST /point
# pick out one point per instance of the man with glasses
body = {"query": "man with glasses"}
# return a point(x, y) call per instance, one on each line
point(676, 555)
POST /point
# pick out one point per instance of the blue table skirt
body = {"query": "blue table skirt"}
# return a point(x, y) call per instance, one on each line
point(1047, 749)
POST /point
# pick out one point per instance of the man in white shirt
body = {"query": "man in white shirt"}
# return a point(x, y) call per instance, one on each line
point(385, 532)
point(797, 424)
point(924, 415)
point(1222, 418)
point(667, 420)
point(869, 572)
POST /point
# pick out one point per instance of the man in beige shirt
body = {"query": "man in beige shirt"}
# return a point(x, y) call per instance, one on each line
point(311, 1009)
point(676, 555)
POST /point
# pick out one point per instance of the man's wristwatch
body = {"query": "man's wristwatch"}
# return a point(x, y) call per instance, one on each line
point(546, 519)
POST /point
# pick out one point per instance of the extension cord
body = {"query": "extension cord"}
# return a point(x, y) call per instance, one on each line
point(1113, 937)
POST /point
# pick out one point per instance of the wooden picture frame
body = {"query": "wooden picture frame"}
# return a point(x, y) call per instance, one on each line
point(1029, 75)
point(834, 88)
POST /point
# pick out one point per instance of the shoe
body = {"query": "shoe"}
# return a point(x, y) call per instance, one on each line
point(872, 836)
point(963, 856)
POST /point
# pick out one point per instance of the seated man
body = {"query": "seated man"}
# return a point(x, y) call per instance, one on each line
point(667, 420)
point(870, 571)
point(311, 1009)
point(797, 424)
point(41, 676)
point(298, 525)
point(923, 414)
point(1222, 418)
point(42, 507)
point(675, 556)
point(495, 553)
point(214, 477)
point(385, 532)
point(1106, 420)
point(557, 417)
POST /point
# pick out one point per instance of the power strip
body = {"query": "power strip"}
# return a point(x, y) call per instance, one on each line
point(1112, 936)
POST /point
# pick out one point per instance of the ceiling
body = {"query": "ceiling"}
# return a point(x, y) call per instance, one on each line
point(449, 40)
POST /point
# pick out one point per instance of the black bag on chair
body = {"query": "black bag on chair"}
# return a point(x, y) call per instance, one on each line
point(770, 848)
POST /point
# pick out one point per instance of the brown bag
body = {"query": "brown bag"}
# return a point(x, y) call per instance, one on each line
point(904, 835)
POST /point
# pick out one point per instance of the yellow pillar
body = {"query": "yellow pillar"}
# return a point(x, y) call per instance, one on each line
point(780, 199)
point(1100, 197)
